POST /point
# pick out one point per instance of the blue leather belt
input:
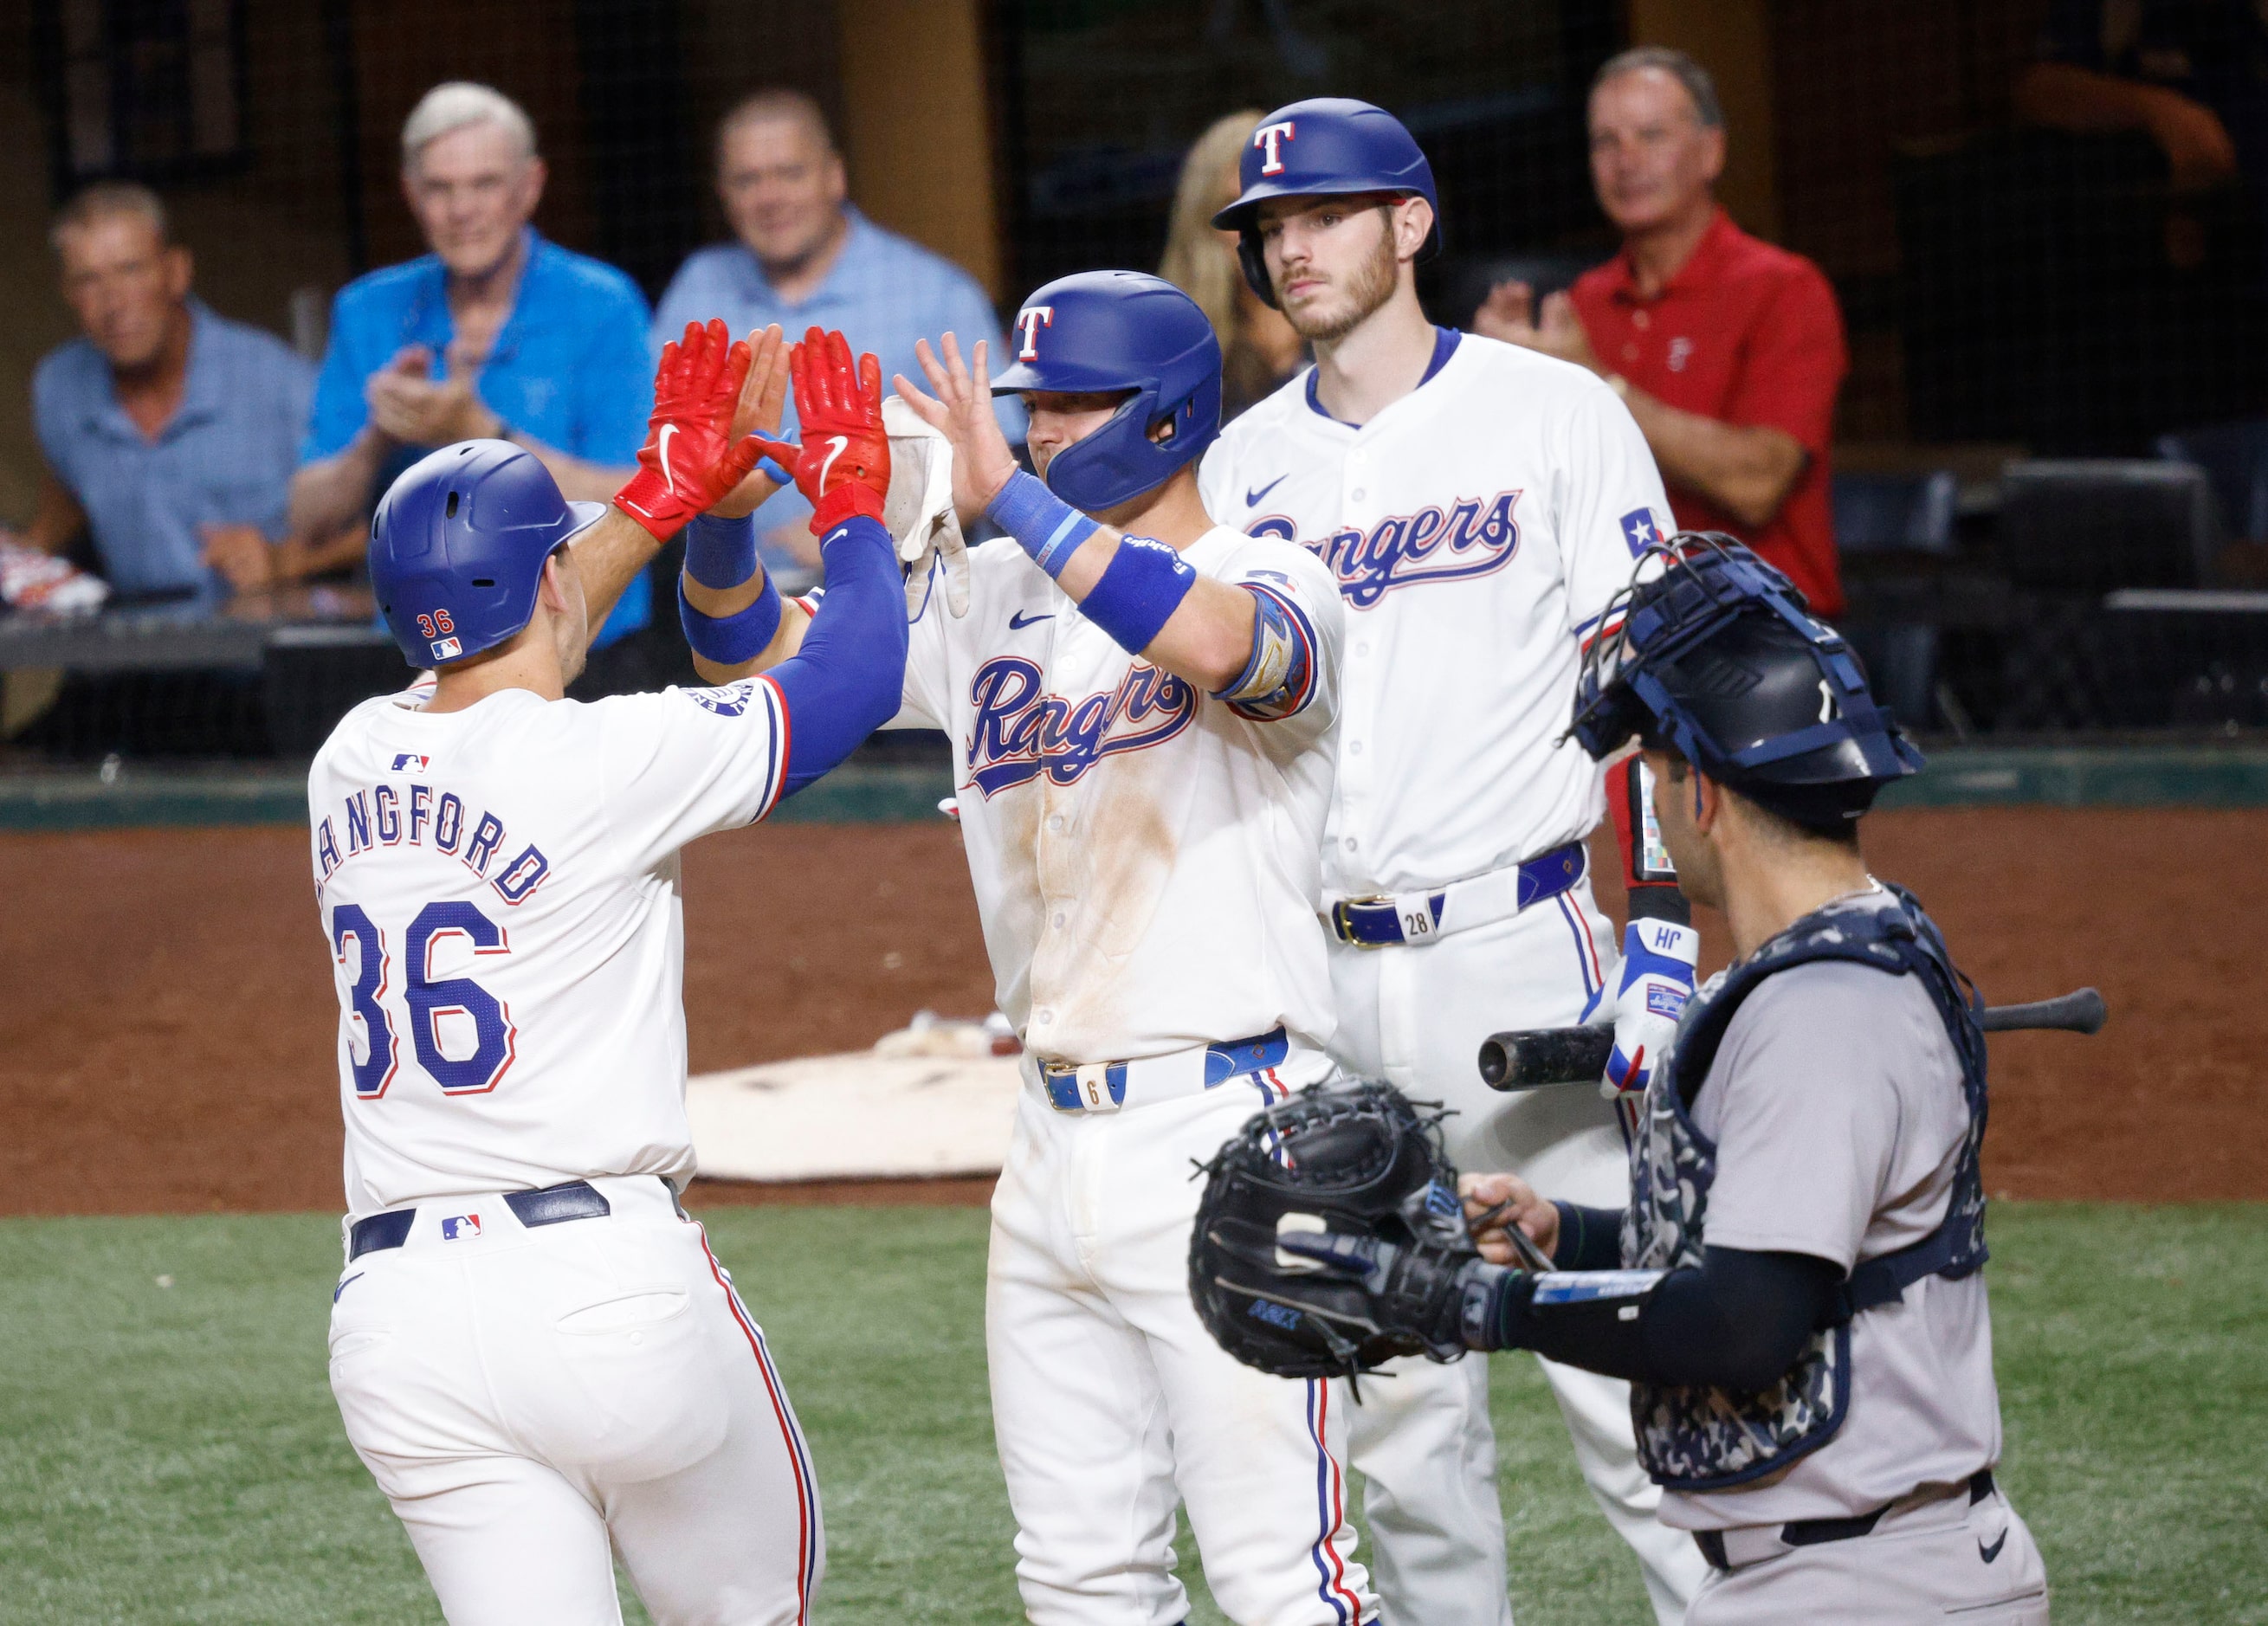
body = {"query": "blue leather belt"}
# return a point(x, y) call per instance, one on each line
point(1374, 922)
point(552, 1205)
point(1235, 1059)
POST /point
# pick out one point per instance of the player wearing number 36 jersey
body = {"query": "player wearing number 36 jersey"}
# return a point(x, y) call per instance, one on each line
point(532, 1348)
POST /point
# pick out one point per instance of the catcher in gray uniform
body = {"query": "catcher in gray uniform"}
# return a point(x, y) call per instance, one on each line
point(1794, 1291)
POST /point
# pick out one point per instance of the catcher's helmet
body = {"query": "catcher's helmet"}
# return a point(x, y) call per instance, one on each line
point(458, 544)
point(1719, 659)
point(1326, 145)
point(1103, 331)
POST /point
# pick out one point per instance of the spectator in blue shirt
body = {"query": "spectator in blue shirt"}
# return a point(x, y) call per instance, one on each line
point(168, 432)
point(805, 258)
point(495, 334)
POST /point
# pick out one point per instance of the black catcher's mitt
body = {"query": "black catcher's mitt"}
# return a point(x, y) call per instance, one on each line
point(1355, 1177)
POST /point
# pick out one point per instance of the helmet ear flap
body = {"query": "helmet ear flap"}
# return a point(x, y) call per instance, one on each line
point(1255, 261)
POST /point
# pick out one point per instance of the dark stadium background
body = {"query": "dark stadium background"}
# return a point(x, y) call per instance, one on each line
point(2007, 290)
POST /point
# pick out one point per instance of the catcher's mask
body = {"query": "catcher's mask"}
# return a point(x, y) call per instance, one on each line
point(1357, 1158)
point(1719, 658)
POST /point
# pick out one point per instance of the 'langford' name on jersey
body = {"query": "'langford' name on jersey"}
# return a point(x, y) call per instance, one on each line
point(498, 889)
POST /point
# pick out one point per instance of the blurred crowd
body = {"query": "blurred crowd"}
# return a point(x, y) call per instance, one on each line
point(189, 456)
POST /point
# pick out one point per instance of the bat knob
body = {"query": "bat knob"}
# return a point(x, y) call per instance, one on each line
point(1495, 1063)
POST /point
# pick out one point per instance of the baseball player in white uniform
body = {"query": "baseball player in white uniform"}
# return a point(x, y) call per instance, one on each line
point(533, 1348)
point(1140, 704)
point(1477, 506)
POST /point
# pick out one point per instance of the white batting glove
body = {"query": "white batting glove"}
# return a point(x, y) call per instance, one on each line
point(1652, 987)
point(918, 511)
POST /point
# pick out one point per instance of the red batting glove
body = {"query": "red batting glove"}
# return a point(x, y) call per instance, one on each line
point(689, 461)
point(845, 466)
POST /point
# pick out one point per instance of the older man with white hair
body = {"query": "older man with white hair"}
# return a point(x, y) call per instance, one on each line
point(495, 335)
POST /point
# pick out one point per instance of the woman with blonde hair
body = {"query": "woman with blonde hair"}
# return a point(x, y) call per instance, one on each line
point(1258, 348)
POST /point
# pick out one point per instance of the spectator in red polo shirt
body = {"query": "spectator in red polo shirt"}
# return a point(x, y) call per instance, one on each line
point(1728, 351)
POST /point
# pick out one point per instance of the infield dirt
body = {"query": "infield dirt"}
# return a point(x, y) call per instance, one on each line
point(168, 1023)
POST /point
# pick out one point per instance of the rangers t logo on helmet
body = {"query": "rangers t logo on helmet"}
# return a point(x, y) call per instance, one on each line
point(1129, 332)
point(1271, 137)
point(1346, 148)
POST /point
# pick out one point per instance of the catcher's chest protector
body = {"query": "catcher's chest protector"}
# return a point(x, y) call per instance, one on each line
point(1694, 1438)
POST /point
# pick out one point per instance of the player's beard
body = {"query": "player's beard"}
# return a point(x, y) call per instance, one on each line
point(1368, 287)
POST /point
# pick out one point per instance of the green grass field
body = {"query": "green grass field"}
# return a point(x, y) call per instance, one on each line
point(169, 1450)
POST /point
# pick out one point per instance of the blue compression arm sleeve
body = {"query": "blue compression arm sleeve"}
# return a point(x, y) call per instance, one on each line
point(848, 678)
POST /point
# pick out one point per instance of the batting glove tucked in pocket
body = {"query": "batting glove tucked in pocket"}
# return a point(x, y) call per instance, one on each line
point(1650, 989)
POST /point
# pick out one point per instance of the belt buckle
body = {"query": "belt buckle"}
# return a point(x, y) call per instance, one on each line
point(1342, 920)
point(1086, 1083)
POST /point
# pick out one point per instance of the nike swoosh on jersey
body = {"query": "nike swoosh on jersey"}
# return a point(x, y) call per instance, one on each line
point(1988, 1554)
point(661, 451)
point(1252, 498)
point(1020, 621)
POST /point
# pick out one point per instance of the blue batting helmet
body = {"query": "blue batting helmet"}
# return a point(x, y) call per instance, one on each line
point(458, 544)
point(1103, 331)
point(1719, 659)
point(1318, 148)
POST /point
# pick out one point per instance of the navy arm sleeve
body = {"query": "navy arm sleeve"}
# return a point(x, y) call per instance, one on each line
point(846, 679)
point(1736, 1323)
point(1590, 1239)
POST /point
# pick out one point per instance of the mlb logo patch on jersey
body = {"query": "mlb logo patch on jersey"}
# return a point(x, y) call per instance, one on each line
point(1639, 531)
point(461, 1227)
point(730, 701)
point(447, 648)
point(411, 762)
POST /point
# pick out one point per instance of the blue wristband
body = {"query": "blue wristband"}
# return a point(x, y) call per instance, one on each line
point(728, 640)
point(1144, 585)
point(778, 473)
point(1043, 525)
point(720, 553)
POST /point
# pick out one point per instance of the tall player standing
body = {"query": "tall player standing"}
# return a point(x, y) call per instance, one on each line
point(532, 1348)
point(1478, 506)
point(1141, 705)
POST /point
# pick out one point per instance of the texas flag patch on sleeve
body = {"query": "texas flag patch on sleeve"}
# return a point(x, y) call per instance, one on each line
point(1639, 531)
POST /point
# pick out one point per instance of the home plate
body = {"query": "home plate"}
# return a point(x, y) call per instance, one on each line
point(864, 1116)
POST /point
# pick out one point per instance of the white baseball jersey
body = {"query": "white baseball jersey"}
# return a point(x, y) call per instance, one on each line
point(1143, 855)
point(499, 890)
point(1476, 529)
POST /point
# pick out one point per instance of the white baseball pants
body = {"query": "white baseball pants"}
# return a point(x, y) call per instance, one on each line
point(1111, 1403)
point(1422, 1441)
point(533, 1401)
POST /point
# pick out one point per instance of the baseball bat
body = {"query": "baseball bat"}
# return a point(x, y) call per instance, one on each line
point(1538, 1057)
